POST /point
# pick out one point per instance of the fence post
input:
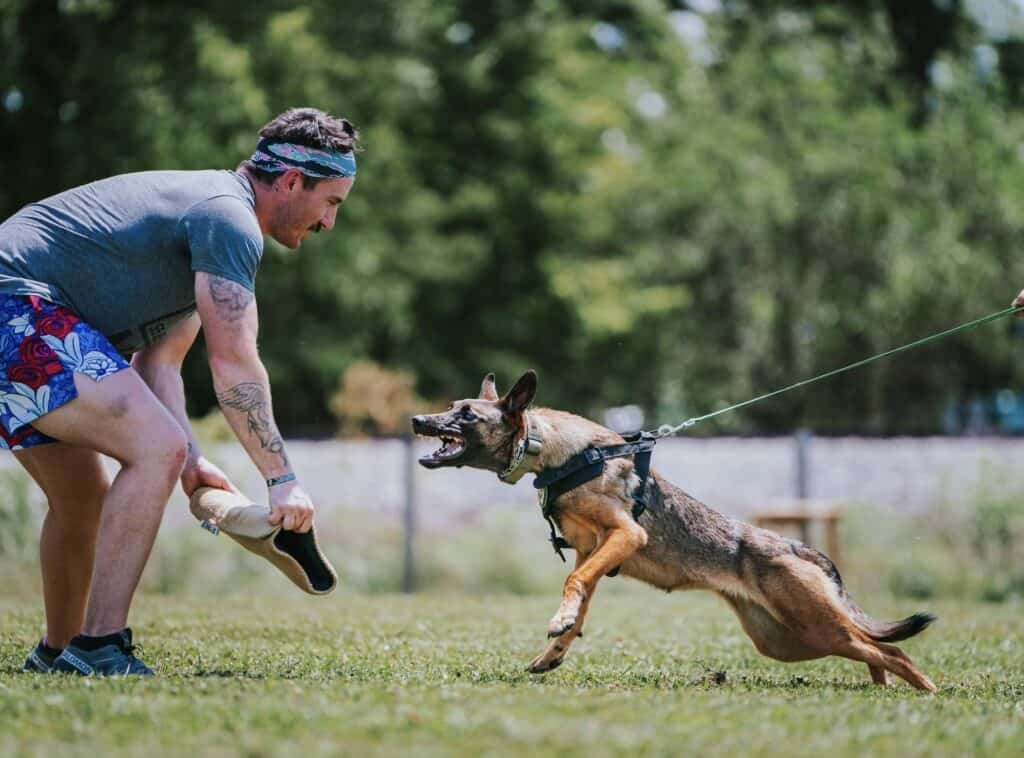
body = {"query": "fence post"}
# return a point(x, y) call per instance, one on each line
point(802, 438)
point(409, 517)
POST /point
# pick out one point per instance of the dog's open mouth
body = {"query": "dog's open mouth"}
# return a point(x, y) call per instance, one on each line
point(452, 446)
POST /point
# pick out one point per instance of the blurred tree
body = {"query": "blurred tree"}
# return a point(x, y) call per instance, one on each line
point(676, 204)
point(372, 400)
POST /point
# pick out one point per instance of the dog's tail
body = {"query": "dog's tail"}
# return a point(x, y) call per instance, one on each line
point(879, 631)
point(894, 631)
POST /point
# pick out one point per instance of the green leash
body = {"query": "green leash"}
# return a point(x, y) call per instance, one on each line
point(667, 430)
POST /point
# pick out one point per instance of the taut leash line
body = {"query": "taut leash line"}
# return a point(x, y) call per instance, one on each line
point(667, 430)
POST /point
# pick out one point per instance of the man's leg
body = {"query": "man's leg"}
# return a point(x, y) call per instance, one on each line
point(75, 483)
point(120, 417)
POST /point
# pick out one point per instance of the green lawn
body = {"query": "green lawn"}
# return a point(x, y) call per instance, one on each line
point(444, 675)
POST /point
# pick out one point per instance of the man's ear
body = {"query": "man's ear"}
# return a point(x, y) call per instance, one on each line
point(521, 395)
point(488, 390)
point(290, 180)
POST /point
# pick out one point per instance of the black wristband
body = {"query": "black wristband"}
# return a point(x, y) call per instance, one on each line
point(283, 479)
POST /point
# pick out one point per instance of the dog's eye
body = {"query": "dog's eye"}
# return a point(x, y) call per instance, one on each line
point(467, 414)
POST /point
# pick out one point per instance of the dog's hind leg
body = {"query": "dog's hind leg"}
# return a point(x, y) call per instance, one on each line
point(878, 675)
point(775, 640)
point(769, 635)
point(886, 658)
point(807, 601)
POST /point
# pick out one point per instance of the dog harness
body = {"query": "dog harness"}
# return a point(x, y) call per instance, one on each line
point(588, 465)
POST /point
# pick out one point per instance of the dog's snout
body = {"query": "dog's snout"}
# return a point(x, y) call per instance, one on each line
point(418, 422)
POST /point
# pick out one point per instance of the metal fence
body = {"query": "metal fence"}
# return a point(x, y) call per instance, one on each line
point(381, 480)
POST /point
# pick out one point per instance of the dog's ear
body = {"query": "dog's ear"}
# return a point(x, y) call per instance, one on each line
point(488, 390)
point(521, 395)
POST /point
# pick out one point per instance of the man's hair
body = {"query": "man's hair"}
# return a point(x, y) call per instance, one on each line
point(309, 127)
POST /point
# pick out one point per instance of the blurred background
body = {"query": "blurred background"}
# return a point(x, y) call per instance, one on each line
point(663, 207)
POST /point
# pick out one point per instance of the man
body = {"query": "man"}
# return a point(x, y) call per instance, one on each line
point(129, 268)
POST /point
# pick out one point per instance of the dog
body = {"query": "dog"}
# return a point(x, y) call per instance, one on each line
point(789, 598)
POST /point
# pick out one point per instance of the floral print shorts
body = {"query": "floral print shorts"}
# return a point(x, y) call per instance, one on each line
point(42, 346)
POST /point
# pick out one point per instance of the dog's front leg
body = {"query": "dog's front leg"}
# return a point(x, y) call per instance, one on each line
point(624, 539)
point(555, 653)
point(579, 590)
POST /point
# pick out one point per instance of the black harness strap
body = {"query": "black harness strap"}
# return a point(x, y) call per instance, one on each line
point(587, 465)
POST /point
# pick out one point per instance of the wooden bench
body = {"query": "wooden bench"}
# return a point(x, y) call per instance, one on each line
point(799, 518)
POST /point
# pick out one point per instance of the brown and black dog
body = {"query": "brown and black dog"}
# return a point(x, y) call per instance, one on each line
point(789, 597)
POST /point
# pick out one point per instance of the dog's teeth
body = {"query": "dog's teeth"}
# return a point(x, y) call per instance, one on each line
point(450, 446)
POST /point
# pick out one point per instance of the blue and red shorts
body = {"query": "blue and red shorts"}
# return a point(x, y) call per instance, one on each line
point(42, 346)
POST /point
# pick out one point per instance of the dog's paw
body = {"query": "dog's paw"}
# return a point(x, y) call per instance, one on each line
point(560, 624)
point(543, 663)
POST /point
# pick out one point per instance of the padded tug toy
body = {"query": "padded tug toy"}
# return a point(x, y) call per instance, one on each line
point(296, 555)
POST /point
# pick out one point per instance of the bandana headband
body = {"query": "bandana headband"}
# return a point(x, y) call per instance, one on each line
point(278, 157)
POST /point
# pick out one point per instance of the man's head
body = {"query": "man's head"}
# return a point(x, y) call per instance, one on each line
point(303, 169)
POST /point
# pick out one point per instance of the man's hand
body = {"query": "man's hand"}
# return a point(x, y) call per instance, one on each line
point(199, 472)
point(291, 507)
point(1018, 302)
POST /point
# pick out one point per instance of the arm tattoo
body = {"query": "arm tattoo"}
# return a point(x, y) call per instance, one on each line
point(251, 399)
point(229, 298)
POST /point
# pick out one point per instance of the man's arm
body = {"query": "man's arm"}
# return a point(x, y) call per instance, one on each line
point(230, 323)
point(159, 365)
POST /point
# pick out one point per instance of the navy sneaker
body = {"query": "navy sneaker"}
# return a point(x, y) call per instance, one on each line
point(40, 660)
point(113, 657)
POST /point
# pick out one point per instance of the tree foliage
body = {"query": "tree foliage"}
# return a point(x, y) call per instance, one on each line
point(678, 205)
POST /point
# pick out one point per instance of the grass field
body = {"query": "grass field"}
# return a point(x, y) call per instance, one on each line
point(444, 675)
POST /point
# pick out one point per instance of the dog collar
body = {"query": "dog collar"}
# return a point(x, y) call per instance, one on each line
point(526, 450)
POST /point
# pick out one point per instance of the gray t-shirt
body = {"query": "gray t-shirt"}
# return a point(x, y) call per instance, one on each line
point(122, 252)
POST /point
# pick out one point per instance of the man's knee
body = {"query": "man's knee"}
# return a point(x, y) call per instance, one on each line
point(173, 451)
point(165, 451)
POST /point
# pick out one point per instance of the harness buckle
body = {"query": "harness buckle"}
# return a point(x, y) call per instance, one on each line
point(559, 544)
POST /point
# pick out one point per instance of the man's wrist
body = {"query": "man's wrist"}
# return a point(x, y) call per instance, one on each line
point(283, 479)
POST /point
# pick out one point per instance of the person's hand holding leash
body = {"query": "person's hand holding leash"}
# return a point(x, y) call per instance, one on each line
point(291, 507)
